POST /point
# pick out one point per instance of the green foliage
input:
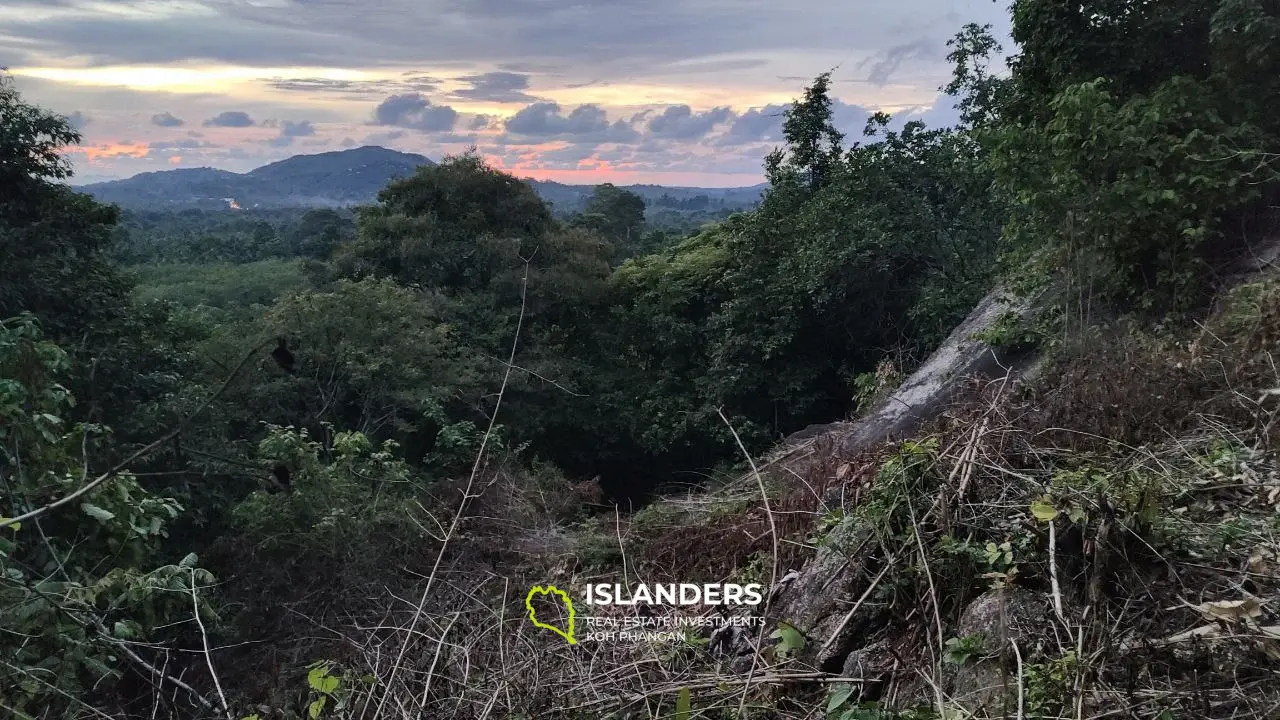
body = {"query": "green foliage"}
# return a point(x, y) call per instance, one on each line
point(683, 705)
point(772, 315)
point(224, 236)
point(458, 225)
point(1120, 155)
point(961, 650)
point(1049, 685)
point(790, 640)
point(71, 584)
point(336, 491)
point(1131, 139)
point(615, 213)
point(52, 260)
point(224, 286)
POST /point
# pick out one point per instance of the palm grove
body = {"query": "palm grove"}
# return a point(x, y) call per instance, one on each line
point(1126, 149)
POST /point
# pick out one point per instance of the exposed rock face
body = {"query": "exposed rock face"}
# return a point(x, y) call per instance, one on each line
point(827, 587)
point(922, 395)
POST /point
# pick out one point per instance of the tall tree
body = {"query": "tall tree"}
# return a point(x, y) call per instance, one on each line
point(813, 142)
point(52, 255)
point(615, 213)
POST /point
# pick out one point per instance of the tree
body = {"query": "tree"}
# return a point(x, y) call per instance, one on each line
point(813, 143)
point(615, 213)
point(454, 226)
point(1134, 138)
point(53, 256)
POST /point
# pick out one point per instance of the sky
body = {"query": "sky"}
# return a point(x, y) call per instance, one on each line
point(676, 92)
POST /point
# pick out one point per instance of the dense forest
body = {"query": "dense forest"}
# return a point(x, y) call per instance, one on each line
point(226, 437)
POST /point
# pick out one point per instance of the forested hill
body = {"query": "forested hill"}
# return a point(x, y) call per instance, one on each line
point(351, 177)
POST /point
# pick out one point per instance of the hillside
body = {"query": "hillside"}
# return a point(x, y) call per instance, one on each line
point(972, 423)
point(350, 177)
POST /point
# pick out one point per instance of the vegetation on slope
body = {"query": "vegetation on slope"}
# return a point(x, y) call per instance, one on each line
point(192, 529)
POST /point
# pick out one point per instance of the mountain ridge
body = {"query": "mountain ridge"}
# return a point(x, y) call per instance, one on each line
point(343, 178)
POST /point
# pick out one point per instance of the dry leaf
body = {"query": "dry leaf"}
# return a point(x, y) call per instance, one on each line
point(1231, 609)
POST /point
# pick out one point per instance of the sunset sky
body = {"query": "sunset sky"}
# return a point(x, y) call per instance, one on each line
point(678, 92)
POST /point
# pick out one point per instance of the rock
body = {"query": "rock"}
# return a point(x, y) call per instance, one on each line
point(986, 685)
point(819, 597)
point(827, 587)
point(872, 663)
point(922, 395)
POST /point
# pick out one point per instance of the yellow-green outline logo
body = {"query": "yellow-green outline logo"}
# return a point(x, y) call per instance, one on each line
point(540, 590)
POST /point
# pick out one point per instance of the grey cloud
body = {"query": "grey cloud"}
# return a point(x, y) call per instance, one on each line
point(382, 138)
point(614, 39)
point(303, 128)
point(231, 119)
point(500, 87)
point(415, 112)
point(570, 155)
point(765, 124)
point(456, 139)
point(78, 120)
point(289, 131)
point(166, 119)
point(679, 122)
point(347, 142)
point(586, 123)
point(884, 64)
point(479, 122)
point(177, 144)
point(942, 114)
point(756, 124)
point(410, 82)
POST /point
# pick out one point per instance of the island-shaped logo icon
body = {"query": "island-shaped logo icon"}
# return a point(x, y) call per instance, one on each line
point(555, 592)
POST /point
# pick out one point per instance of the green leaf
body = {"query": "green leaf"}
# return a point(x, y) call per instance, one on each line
point(315, 675)
point(789, 638)
point(839, 698)
point(96, 512)
point(1043, 510)
point(1076, 514)
point(683, 704)
point(316, 707)
point(321, 681)
point(328, 684)
point(11, 525)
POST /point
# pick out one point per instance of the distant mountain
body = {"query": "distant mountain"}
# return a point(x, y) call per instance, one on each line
point(347, 177)
point(331, 179)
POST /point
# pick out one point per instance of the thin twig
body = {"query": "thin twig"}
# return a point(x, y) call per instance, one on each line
point(773, 572)
point(865, 594)
point(1018, 655)
point(204, 640)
